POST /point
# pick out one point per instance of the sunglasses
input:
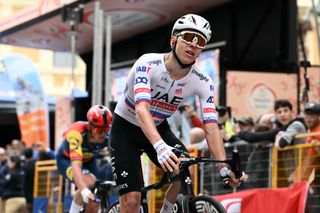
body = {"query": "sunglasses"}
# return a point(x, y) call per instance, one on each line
point(189, 37)
point(100, 129)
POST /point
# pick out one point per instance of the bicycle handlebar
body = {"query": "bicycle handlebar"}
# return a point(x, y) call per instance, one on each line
point(101, 187)
point(234, 162)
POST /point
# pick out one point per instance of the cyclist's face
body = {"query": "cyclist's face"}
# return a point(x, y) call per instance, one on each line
point(99, 133)
point(187, 53)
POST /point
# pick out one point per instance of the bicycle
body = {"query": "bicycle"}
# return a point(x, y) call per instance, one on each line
point(187, 202)
point(102, 190)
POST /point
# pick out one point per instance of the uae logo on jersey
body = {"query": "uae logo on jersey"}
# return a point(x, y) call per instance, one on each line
point(178, 91)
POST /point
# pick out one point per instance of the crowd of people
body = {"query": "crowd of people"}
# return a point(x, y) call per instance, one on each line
point(17, 164)
point(279, 129)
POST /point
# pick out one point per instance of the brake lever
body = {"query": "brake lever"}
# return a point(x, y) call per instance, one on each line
point(179, 152)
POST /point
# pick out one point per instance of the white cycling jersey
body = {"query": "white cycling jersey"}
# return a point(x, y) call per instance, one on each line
point(150, 81)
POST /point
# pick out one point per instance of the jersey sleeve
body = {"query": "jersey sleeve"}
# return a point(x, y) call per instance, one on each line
point(142, 87)
point(207, 102)
point(74, 139)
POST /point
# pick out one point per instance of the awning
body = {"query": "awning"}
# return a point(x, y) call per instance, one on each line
point(41, 26)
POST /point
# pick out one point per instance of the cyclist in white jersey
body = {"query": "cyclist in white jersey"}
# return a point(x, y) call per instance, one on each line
point(157, 85)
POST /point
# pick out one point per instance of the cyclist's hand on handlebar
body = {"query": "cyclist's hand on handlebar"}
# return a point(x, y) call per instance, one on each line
point(229, 178)
point(86, 195)
point(167, 159)
point(235, 182)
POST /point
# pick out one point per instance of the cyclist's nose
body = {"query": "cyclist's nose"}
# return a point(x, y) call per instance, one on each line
point(194, 42)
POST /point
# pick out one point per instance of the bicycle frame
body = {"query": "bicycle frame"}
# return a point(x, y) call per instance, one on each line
point(186, 188)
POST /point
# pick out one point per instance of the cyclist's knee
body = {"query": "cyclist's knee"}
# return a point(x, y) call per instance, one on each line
point(130, 200)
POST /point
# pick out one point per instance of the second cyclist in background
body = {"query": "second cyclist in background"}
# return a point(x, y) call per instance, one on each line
point(157, 86)
point(76, 155)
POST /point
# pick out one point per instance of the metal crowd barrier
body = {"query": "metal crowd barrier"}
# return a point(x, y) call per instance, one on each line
point(268, 167)
point(256, 162)
point(47, 187)
point(299, 163)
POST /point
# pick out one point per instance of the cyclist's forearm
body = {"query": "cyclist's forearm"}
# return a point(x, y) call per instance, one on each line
point(77, 175)
point(215, 143)
point(146, 122)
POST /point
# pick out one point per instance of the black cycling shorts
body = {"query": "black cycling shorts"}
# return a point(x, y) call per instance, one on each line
point(127, 143)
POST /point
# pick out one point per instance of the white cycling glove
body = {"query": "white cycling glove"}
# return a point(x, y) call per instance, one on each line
point(163, 151)
point(85, 193)
point(224, 174)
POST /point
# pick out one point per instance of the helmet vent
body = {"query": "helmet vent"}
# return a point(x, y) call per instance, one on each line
point(105, 118)
point(194, 20)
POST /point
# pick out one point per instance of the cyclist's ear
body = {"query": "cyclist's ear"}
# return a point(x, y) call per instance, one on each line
point(173, 41)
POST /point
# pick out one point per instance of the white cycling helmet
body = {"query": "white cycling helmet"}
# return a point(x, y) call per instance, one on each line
point(192, 22)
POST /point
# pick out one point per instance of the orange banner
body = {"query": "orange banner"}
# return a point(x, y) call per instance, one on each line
point(32, 109)
point(280, 200)
point(33, 127)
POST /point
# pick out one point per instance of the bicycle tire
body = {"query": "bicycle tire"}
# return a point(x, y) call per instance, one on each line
point(201, 204)
point(115, 208)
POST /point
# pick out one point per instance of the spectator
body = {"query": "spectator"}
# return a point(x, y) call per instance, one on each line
point(284, 123)
point(310, 164)
point(312, 116)
point(198, 139)
point(3, 165)
point(3, 157)
point(246, 124)
point(194, 118)
point(17, 147)
point(44, 155)
point(268, 120)
point(225, 122)
point(12, 182)
point(291, 125)
point(258, 136)
point(29, 166)
point(39, 148)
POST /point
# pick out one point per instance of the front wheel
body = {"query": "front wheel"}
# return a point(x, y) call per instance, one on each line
point(201, 204)
point(114, 208)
